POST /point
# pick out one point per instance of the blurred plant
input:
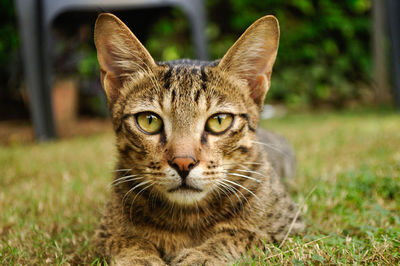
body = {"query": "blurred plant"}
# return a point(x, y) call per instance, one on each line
point(11, 105)
point(169, 37)
point(324, 55)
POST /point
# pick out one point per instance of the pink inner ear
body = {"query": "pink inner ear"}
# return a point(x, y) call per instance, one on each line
point(109, 57)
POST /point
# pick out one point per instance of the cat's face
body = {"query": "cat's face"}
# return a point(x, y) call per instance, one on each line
point(187, 135)
point(182, 127)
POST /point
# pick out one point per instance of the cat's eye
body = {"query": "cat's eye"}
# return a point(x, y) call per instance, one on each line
point(149, 122)
point(219, 123)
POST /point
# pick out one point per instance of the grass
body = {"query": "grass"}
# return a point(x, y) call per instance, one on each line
point(51, 194)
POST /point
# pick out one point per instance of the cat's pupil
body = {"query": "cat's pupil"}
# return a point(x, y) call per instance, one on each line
point(219, 119)
point(150, 118)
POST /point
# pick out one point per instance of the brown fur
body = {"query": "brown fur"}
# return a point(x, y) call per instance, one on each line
point(147, 224)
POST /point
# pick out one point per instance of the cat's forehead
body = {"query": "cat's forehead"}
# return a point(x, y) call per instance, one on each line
point(187, 76)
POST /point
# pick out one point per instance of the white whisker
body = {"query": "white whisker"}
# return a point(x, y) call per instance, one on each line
point(237, 190)
point(127, 180)
point(253, 163)
point(236, 184)
point(123, 178)
point(232, 190)
point(271, 146)
point(143, 189)
point(122, 170)
point(250, 171)
point(245, 176)
point(132, 189)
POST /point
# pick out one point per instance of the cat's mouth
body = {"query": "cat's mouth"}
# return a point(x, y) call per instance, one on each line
point(184, 187)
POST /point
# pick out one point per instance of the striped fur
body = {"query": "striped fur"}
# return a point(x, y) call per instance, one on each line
point(239, 200)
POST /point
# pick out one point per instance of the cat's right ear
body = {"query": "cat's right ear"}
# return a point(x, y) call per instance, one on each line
point(119, 52)
point(252, 57)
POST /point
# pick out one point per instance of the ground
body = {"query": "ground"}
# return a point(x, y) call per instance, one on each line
point(348, 183)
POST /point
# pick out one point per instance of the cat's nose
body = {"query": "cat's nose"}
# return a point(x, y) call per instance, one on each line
point(183, 165)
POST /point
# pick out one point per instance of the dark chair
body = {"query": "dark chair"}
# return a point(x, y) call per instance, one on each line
point(35, 19)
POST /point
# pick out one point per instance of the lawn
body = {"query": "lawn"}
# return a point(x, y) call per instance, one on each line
point(348, 184)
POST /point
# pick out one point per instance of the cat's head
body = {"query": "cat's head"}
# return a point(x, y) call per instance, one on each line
point(183, 127)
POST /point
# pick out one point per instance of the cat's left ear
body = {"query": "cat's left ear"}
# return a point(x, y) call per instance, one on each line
point(252, 56)
point(120, 54)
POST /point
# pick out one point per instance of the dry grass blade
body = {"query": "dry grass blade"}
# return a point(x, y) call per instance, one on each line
point(296, 216)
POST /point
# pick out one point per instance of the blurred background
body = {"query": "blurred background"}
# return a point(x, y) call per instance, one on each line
point(332, 55)
point(332, 97)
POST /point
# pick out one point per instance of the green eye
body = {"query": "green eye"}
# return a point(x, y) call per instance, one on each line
point(149, 123)
point(219, 123)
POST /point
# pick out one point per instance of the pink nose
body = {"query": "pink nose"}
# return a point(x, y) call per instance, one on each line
point(183, 165)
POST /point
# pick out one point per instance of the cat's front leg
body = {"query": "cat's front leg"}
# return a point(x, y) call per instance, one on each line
point(133, 259)
point(224, 247)
point(128, 259)
point(133, 251)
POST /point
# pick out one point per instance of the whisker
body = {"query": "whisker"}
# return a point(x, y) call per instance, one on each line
point(128, 177)
point(249, 163)
point(236, 184)
point(250, 171)
point(123, 177)
point(143, 189)
point(244, 166)
point(271, 146)
point(132, 189)
point(245, 176)
point(127, 180)
point(237, 190)
point(229, 189)
point(122, 170)
point(217, 189)
point(253, 163)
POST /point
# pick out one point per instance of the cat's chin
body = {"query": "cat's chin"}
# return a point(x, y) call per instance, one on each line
point(186, 196)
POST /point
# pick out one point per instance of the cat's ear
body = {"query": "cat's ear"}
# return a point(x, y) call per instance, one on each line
point(252, 56)
point(119, 52)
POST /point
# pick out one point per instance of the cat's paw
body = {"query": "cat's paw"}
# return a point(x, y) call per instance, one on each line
point(194, 257)
point(148, 261)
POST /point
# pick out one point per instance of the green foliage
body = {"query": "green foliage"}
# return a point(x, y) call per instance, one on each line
point(169, 38)
point(324, 48)
point(88, 66)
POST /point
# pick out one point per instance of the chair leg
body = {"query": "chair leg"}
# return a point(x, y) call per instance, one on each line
point(393, 8)
point(39, 90)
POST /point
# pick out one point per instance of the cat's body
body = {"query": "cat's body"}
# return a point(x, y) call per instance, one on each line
point(194, 185)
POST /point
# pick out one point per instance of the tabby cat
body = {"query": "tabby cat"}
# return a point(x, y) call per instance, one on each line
point(193, 185)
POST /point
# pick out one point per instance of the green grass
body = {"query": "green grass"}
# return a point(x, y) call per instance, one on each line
point(51, 195)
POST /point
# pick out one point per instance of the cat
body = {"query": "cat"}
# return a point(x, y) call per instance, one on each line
point(193, 184)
